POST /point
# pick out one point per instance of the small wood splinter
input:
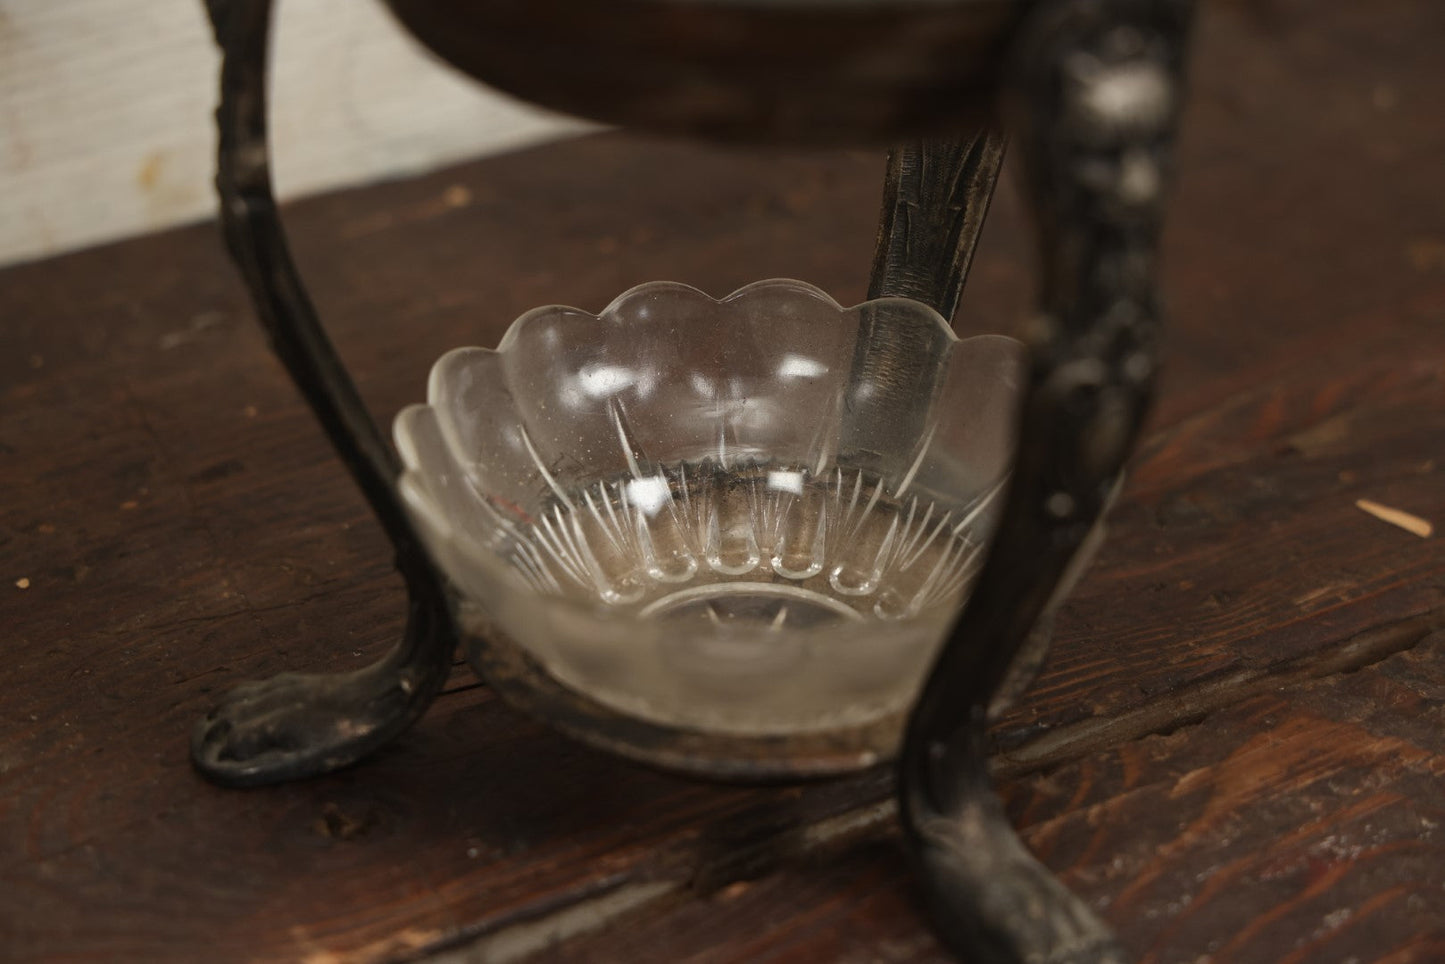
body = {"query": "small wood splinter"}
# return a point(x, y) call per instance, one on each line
point(1396, 517)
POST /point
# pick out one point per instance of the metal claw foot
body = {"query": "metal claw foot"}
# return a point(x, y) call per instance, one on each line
point(1001, 922)
point(298, 725)
point(985, 892)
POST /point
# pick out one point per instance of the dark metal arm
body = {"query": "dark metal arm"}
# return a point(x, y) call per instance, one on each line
point(298, 725)
point(935, 198)
point(1095, 96)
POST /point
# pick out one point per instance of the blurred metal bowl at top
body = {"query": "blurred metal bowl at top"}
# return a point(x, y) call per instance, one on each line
point(791, 71)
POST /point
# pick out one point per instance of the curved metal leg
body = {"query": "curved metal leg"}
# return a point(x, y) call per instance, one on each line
point(1096, 93)
point(298, 725)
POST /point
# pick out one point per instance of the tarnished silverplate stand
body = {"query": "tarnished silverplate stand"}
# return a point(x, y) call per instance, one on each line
point(1090, 92)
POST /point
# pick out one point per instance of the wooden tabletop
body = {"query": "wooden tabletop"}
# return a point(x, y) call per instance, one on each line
point(1236, 752)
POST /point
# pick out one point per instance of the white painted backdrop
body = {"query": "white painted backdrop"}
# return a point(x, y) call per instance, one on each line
point(105, 113)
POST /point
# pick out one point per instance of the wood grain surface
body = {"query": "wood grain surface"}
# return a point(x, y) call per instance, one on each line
point(1236, 751)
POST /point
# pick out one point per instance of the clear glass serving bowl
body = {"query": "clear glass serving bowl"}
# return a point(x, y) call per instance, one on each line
point(749, 516)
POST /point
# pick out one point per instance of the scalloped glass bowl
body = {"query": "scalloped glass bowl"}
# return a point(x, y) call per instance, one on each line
point(752, 516)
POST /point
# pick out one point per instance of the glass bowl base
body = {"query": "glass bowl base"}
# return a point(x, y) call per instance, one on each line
point(751, 599)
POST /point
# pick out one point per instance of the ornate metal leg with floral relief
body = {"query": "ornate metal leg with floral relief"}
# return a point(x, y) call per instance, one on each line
point(298, 725)
point(1094, 100)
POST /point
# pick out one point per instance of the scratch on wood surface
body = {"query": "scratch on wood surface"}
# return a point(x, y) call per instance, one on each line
point(526, 939)
point(849, 824)
point(405, 942)
point(1397, 517)
point(1340, 589)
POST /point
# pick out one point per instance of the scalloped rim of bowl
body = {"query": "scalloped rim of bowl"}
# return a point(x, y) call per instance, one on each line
point(400, 429)
point(424, 507)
